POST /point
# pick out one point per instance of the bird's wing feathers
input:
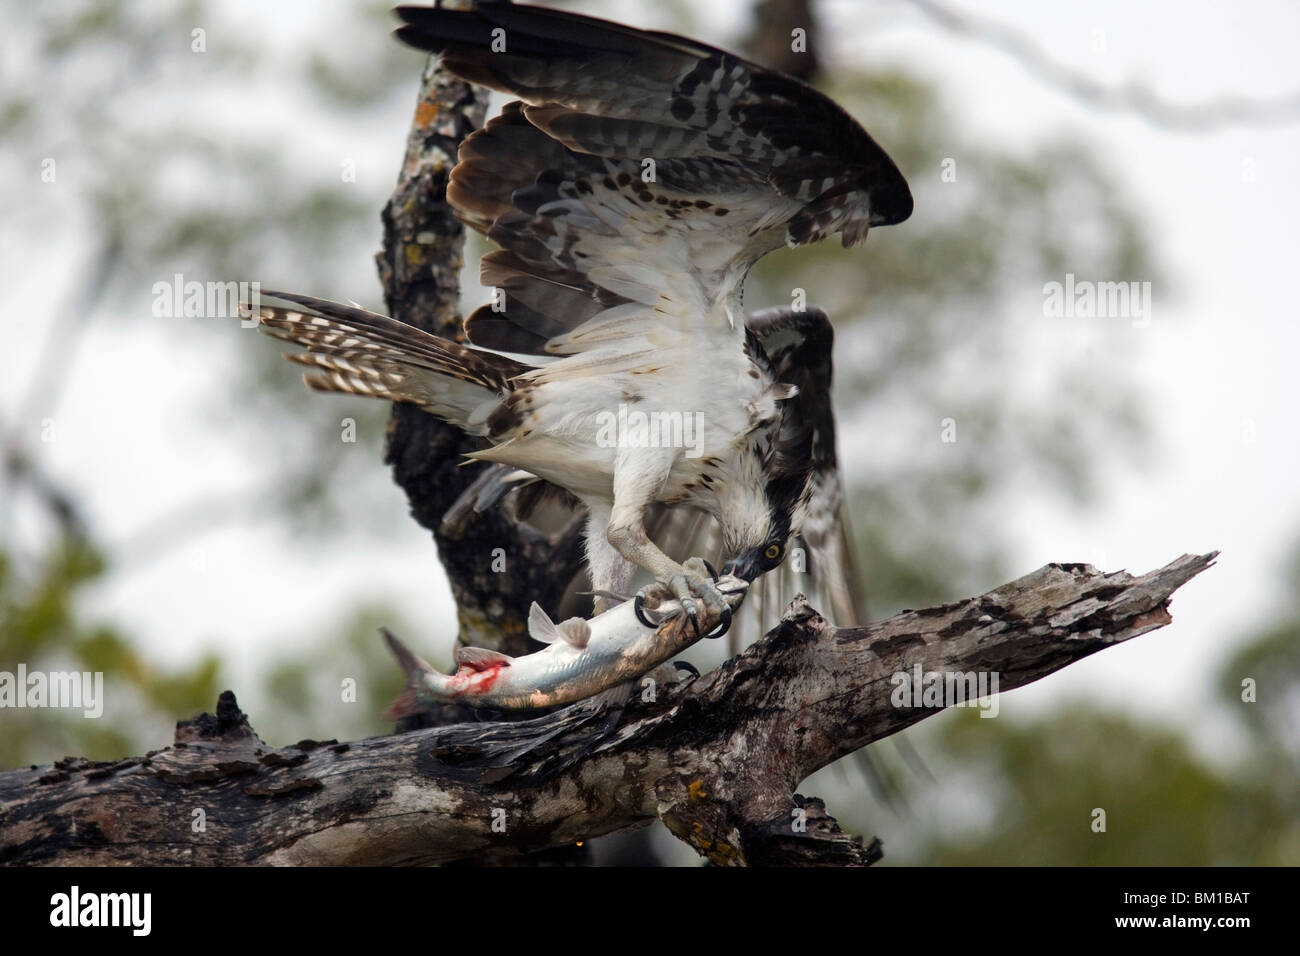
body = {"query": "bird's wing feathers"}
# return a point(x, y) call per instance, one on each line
point(639, 175)
point(798, 344)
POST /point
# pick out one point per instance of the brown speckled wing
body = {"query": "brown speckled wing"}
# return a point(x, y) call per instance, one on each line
point(634, 160)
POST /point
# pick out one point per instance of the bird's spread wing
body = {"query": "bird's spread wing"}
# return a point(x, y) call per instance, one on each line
point(638, 176)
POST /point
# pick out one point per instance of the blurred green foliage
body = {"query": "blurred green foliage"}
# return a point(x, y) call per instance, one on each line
point(41, 627)
point(1164, 805)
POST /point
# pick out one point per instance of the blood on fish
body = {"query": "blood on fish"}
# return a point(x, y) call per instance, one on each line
point(467, 680)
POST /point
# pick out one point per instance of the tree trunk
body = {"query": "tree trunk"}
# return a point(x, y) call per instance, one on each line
point(497, 565)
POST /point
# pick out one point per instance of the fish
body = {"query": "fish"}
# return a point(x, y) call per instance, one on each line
point(582, 658)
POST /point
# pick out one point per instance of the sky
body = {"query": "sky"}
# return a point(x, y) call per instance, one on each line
point(1217, 361)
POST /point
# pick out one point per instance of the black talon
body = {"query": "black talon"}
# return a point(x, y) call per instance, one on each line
point(637, 603)
point(723, 626)
point(688, 667)
point(695, 625)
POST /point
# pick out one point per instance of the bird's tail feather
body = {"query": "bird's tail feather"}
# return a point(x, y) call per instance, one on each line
point(357, 352)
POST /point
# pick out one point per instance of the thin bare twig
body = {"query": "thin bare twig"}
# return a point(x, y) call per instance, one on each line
point(1131, 97)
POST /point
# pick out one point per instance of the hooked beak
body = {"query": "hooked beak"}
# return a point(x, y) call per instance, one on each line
point(744, 566)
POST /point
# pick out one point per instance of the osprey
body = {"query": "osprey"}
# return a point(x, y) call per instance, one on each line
point(631, 185)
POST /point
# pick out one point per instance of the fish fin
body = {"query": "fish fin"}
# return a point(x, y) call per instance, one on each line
point(611, 698)
point(407, 702)
point(613, 597)
point(481, 659)
point(540, 626)
point(412, 665)
point(575, 631)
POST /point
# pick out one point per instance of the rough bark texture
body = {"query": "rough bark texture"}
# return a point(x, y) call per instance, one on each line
point(716, 759)
point(420, 265)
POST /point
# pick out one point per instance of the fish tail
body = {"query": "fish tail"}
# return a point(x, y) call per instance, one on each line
point(413, 698)
point(405, 704)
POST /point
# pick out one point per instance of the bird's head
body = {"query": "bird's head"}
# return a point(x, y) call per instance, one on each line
point(755, 561)
point(759, 544)
point(795, 348)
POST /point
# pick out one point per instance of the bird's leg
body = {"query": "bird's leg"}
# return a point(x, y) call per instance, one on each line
point(637, 479)
point(693, 585)
point(611, 573)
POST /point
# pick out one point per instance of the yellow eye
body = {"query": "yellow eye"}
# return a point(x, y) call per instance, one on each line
point(773, 552)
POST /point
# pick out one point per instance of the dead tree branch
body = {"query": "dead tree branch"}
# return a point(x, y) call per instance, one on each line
point(1128, 98)
point(717, 760)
